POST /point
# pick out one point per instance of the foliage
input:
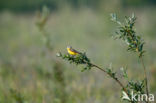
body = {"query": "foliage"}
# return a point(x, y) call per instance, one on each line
point(137, 86)
point(127, 33)
point(77, 59)
point(124, 72)
point(110, 72)
point(135, 43)
point(17, 96)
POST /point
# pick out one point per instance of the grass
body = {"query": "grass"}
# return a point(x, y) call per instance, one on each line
point(25, 63)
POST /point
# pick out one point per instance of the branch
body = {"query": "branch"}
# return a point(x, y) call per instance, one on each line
point(117, 80)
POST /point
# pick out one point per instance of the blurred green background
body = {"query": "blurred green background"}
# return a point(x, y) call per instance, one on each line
point(30, 72)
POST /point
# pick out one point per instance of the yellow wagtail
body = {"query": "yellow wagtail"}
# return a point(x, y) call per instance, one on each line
point(72, 51)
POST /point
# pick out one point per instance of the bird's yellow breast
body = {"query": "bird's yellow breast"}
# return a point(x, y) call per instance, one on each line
point(71, 52)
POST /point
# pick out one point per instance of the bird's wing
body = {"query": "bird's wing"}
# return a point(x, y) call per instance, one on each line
point(73, 50)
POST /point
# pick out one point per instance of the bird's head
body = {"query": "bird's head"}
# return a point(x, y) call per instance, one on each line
point(69, 47)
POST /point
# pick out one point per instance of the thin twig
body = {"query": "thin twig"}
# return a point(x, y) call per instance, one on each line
point(145, 76)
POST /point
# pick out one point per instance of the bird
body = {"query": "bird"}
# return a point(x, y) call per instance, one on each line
point(72, 51)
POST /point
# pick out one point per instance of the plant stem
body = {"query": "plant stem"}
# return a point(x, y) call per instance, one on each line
point(117, 80)
point(145, 76)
